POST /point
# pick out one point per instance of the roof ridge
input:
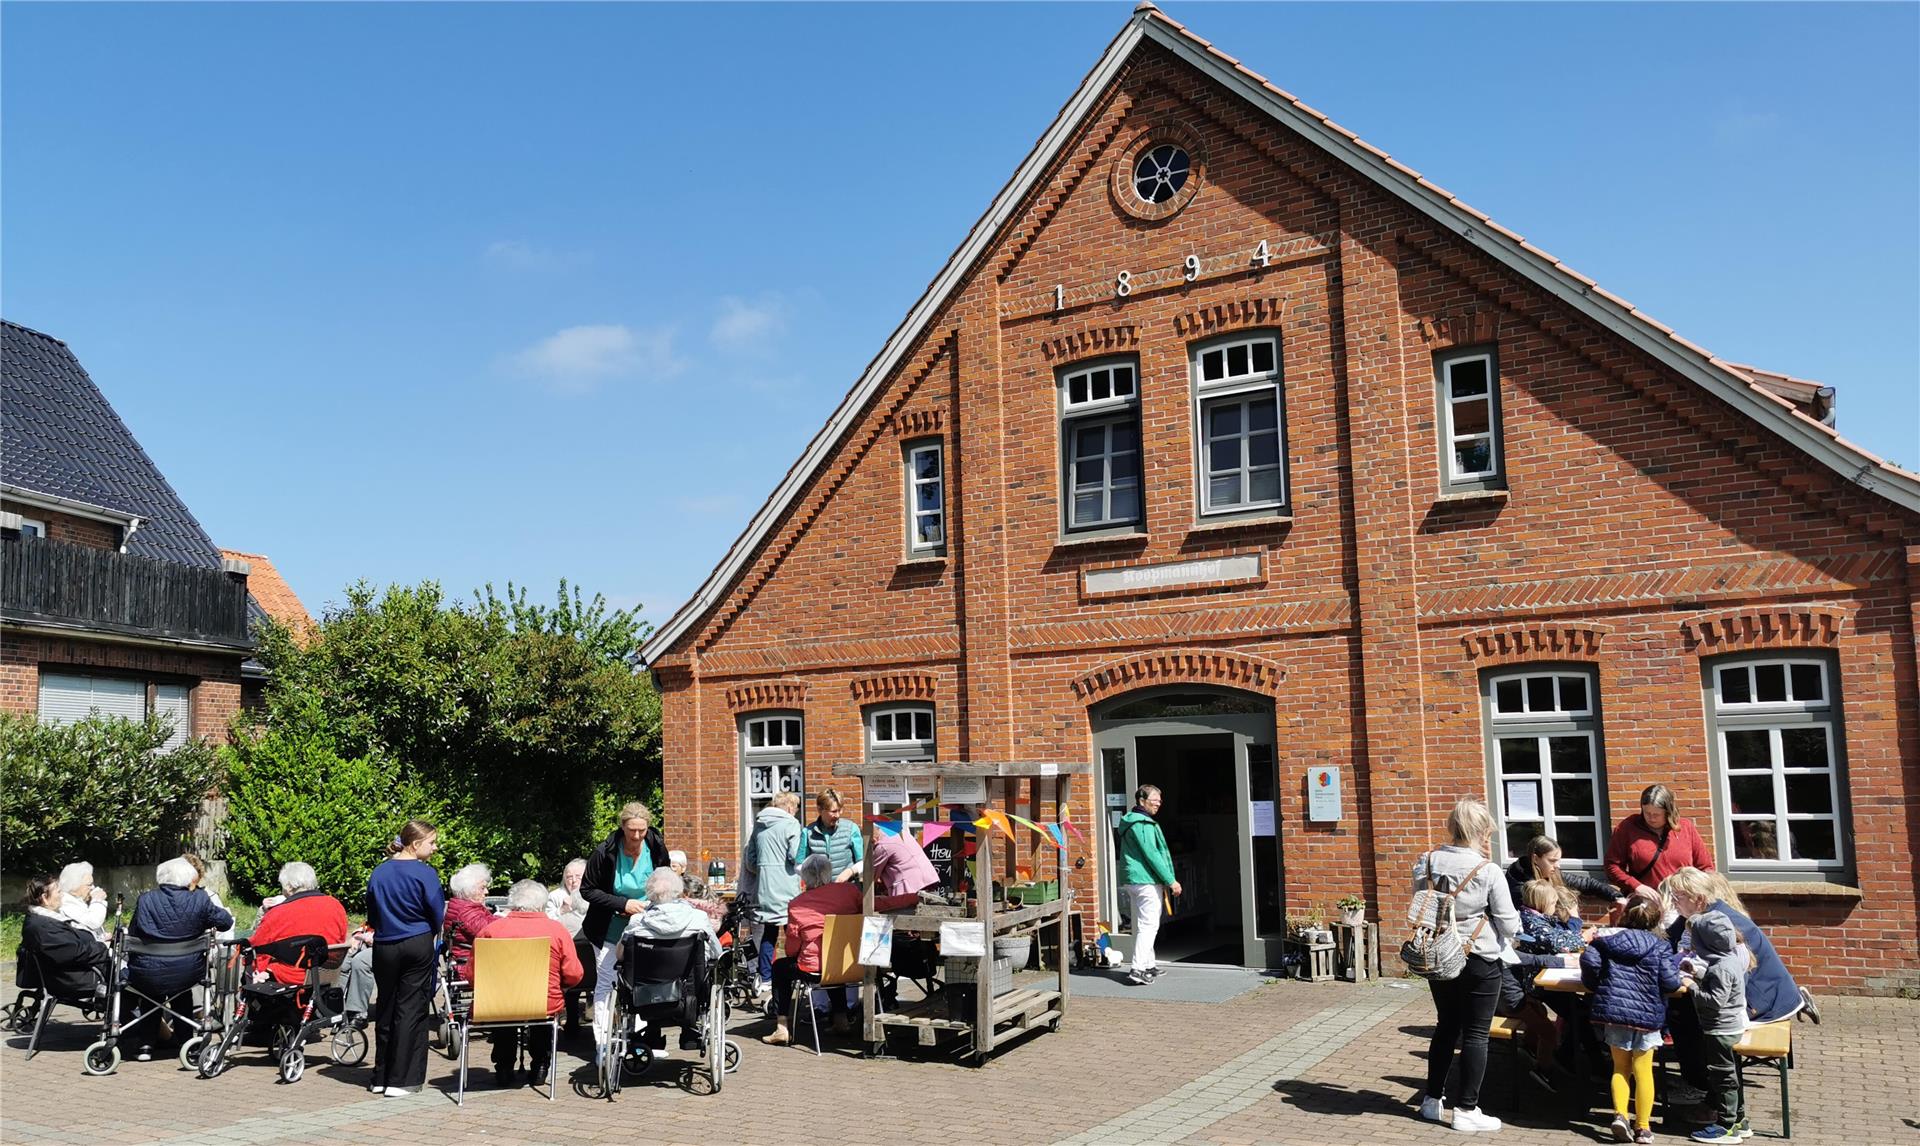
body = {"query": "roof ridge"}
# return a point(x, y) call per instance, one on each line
point(24, 329)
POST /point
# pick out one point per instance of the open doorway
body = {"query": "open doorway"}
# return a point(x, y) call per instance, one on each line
point(1199, 816)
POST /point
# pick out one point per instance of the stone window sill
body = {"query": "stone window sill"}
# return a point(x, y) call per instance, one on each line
point(1799, 889)
point(1471, 496)
point(1099, 540)
point(1242, 524)
point(925, 561)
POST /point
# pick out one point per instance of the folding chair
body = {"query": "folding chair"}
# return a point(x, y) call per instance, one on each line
point(840, 968)
point(47, 998)
point(510, 978)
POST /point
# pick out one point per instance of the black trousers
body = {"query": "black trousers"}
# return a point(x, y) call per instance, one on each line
point(403, 981)
point(1683, 1023)
point(1464, 1007)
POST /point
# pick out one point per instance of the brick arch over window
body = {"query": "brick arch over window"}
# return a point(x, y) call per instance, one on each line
point(1785, 627)
point(1231, 315)
point(894, 686)
point(1514, 644)
point(1209, 667)
point(767, 694)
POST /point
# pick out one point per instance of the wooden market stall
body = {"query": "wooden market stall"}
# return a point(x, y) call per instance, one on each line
point(1032, 1000)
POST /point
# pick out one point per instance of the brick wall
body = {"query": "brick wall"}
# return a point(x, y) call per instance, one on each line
point(215, 678)
point(1645, 526)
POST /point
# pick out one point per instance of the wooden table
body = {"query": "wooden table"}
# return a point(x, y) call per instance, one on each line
point(1576, 987)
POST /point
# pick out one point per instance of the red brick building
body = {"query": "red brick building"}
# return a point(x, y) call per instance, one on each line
point(112, 597)
point(1234, 456)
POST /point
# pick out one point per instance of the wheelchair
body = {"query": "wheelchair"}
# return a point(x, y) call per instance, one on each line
point(664, 982)
point(103, 1057)
point(294, 1014)
point(738, 969)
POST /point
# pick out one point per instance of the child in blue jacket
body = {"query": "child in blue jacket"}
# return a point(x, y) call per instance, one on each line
point(1631, 973)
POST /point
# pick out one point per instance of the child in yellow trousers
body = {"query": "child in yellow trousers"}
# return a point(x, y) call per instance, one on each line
point(1631, 973)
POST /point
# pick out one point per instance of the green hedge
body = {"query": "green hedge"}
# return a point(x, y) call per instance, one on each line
point(101, 789)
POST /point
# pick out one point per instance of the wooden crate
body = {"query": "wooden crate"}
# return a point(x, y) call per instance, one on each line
point(1356, 955)
point(1316, 961)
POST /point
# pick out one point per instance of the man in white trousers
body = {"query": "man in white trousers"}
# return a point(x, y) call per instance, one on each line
point(1146, 868)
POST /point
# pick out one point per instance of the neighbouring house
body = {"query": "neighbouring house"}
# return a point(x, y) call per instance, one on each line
point(269, 596)
point(1229, 455)
point(112, 597)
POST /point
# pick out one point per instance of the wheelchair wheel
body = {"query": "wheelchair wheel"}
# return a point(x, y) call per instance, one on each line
point(100, 1058)
point(348, 1046)
point(716, 1035)
point(213, 1057)
point(190, 1051)
point(293, 1063)
point(732, 1056)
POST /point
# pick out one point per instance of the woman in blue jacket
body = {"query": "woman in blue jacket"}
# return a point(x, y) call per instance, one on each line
point(405, 907)
point(172, 912)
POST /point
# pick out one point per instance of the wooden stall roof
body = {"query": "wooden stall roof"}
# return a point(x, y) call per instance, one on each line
point(1008, 769)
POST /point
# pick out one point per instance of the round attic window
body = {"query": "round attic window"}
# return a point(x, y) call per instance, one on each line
point(1160, 172)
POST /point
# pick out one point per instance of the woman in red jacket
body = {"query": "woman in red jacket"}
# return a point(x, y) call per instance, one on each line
point(1654, 843)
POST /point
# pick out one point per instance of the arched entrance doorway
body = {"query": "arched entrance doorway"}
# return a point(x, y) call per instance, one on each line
point(1210, 751)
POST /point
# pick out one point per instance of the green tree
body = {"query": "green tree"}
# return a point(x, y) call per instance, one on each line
point(508, 719)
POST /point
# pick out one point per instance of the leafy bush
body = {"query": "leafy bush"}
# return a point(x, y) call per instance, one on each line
point(501, 721)
point(100, 789)
point(291, 796)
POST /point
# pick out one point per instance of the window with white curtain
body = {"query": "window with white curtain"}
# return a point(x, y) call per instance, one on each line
point(66, 697)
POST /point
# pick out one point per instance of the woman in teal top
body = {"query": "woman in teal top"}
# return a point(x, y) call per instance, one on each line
point(614, 886)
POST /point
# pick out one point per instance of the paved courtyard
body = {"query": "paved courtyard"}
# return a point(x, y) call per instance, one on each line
point(1286, 1063)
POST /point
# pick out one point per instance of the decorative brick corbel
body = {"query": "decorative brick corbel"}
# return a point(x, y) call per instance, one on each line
point(1228, 315)
point(1200, 666)
point(1091, 340)
point(894, 686)
point(1461, 329)
point(919, 423)
point(1533, 642)
point(1778, 627)
point(767, 694)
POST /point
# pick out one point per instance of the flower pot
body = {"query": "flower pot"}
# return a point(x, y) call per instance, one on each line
point(1353, 916)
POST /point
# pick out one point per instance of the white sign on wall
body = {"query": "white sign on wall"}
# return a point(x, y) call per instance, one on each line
point(1323, 794)
point(1132, 578)
point(963, 790)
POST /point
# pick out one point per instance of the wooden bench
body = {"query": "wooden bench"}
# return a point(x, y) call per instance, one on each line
point(1509, 1029)
point(1770, 1044)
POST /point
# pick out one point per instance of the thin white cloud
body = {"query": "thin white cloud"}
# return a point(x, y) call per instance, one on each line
point(520, 256)
point(744, 327)
point(578, 359)
point(1739, 129)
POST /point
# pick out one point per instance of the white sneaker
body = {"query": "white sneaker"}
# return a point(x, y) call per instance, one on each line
point(376, 1088)
point(1471, 1121)
point(400, 1091)
point(1433, 1110)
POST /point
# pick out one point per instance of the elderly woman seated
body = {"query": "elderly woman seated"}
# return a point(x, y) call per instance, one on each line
point(73, 962)
point(820, 896)
point(174, 911)
point(670, 916)
point(81, 901)
point(467, 915)
point(303, 909)
point(526, 918)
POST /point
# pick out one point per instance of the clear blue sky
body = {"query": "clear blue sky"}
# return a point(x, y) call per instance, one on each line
point(522, 292)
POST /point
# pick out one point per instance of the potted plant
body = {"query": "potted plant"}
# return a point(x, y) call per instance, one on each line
point(1353, 910)
point(1317, 931)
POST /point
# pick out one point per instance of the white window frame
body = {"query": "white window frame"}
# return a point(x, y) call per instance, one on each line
point(915, 483)
point(1543, 726)
point(783, 763)
point(1495, 474)
point(179, 699)
point(1242, 387)
point(1774, 718)
point(893, 746)
point(1087, 412)
point(38, 526)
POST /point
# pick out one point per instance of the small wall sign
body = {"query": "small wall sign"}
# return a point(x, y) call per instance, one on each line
point(1323, 794)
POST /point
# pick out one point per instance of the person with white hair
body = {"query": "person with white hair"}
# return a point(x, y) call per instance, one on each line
point(565, 905)
point(467, 915)
point(526, 918)
point(807, 928)
point(174, 911)
point(306, 910)
point(670, 916)
point(81, 901)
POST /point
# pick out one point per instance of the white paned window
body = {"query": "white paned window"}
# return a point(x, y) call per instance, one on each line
point(926, 499)
point(1240, 427)
point(900, 732)
point(32, 527)
point(1100, 430)
point(773, 760)
point(173, 700)
point(1470, 438)
point(1543, 743)
point(1779, 780)
point(67, 697)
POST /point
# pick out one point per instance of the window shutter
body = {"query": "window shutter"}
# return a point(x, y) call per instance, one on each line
point(174, 700)
point(67, 697)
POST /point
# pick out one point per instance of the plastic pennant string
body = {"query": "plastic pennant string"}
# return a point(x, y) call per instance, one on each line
point(1059, 837)
point(1032, 827)
point(891, 827)
point(932, 832)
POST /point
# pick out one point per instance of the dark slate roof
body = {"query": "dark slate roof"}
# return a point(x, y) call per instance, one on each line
point(60, 436)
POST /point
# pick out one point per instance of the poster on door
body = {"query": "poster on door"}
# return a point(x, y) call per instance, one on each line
point(1323, 794)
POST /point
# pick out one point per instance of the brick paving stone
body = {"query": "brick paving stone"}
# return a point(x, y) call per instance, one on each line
point(1290, 1063)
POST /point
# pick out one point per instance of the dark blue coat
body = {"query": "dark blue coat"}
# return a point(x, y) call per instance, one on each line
point(167, 915)
point(1630, 973)
point(1771, 992)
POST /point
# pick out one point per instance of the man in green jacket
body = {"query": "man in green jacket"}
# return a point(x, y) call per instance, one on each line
point(1145, 867)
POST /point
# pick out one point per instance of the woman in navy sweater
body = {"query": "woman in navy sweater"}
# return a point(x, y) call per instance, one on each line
point(404, 906)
